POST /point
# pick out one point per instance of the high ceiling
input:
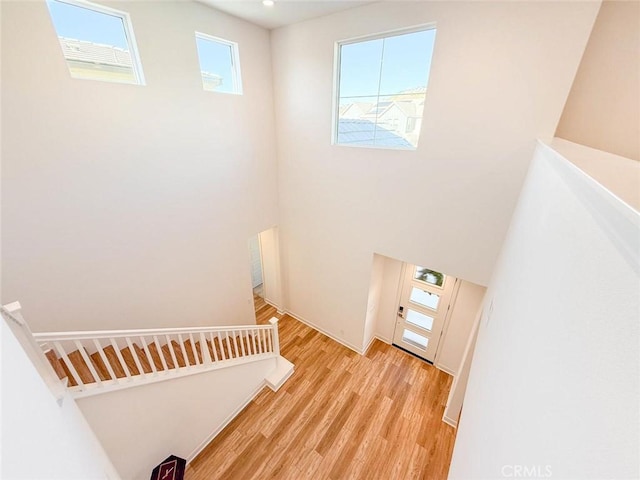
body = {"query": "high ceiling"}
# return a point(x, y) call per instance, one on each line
point(284, 12)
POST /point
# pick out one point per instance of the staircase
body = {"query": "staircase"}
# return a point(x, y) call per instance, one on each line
point(100, 361)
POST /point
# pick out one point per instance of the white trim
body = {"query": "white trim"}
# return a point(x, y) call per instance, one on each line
point(63, 336)
point(450, 421)
point(127, 25)
point(366, 349)
point(335, 104)
point(236, 75)
point(274, 305)
point(447, 320)
point(389, 33)
point(445, 369)
point(226, 422)
point(384, 339)
point(324, 332)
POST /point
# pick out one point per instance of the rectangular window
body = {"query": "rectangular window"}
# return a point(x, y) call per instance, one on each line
point(381, 84)
point(219, 64)
point(97, 42)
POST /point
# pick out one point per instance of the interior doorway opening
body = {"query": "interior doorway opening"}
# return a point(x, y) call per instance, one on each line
point(264, 269)
point(257, 278)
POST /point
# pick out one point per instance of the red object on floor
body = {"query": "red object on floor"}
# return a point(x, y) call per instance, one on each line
point(172, 468)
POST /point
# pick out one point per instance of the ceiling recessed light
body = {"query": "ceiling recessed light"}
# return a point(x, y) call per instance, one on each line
point(268, 3)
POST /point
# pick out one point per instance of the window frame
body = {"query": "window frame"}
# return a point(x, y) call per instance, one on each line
point(337, 62)
point(236, 74)
point(127, 24)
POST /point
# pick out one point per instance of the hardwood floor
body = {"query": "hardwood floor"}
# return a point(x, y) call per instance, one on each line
point(340, 416)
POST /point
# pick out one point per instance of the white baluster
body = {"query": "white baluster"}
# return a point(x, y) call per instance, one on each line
point(244, 354)
point(161, 353)
point(65, 358)
point(235, 343)
point(123, 364)
point(206, 354)
point(193, 349)
point(104, 359)
point(88, 362)
point(147, 354)
point(220, 340)
point(184, 351)
point(172, 352)
point(134, 354)
point(226, 333)
point(253, 340)
point(213, 347)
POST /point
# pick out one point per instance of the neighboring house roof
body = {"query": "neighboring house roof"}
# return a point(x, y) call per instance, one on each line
point(81, 51)
point(361, 132)
point(355, 109)
point(419, 90)
point(408, 108)
point(378, 108)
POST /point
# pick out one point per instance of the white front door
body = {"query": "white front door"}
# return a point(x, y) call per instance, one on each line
point(424, 302)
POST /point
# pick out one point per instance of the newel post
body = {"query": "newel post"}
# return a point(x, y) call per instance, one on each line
point(12, 313)
point(276, 339)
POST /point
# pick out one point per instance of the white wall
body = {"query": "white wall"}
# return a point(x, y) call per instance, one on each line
point(40, 438)
point(457, 330)
point(139, 427)
point(618, 174)
point(500, 76)
point(603, 109)
point(459, 386)
point(130, 206)
point(555, 378)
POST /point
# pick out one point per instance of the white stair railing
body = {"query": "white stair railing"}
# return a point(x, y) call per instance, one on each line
point(99, 361)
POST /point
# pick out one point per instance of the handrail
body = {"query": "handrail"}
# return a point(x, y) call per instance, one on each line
point(91, 334)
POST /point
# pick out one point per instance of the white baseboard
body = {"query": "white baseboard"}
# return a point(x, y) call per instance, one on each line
point(450, 421)
point(226, 422)
point(273, 304)
point(366, 349)
point(384, 339)
point(375, 337)
point(324, 332)
point(445, 370)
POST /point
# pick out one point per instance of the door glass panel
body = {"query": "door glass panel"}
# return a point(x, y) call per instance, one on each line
point(414, 339)
point(429, 276)
point(419, 319)
point(426, 299)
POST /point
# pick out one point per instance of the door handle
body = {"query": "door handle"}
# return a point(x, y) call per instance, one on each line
point(401, 311)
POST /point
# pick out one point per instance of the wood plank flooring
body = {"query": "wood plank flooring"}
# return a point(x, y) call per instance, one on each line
point(340, 416)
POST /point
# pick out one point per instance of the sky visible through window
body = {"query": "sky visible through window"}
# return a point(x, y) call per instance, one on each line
point(84, 24)
point(215, 58)
point(406, 61)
